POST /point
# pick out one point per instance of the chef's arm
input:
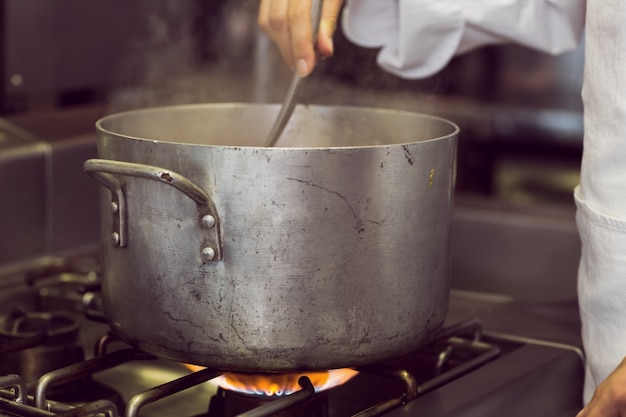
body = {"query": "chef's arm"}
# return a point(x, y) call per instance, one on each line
point(417, 38)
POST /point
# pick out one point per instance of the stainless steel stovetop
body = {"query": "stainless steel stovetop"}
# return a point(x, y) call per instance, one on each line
point(495, 357)
point(530, 353)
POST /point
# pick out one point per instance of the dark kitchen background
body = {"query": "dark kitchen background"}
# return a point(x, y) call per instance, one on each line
point(66, 63)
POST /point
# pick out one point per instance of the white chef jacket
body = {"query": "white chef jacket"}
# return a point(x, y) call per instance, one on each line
point(418, 37)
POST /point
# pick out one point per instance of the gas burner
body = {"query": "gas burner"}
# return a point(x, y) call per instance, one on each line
point(43, 370)
point(457, 351)
point(280, 384)
point(33, 343)
point(15, 401)
point(302, 403)
point(410, 385)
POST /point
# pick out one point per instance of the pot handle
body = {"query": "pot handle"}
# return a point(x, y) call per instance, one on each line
point(105, 171)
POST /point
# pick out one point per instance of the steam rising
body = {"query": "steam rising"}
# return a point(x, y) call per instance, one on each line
point(213, 51)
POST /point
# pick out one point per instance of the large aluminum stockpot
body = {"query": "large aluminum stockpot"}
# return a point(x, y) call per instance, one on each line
point(329, 250)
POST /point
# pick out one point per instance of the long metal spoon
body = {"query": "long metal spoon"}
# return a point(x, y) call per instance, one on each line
point(290, 99)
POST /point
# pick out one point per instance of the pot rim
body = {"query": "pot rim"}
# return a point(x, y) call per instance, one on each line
point(454, 128)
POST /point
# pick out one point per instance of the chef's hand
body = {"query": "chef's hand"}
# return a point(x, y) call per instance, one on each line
point(288, 24)
point(609, 400)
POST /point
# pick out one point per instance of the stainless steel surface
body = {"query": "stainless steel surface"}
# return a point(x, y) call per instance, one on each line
point(319, 257)
point(49, 205)
point(515, 382)
point(531, 348)
point(23, 167)
point(289, 103)
point(528, 254)
point(536, 379)
point(554, 321)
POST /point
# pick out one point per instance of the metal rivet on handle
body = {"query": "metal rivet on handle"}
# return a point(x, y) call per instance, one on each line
point(116, 238)
point(114, 207)
point(208, 253)
point(208, 221)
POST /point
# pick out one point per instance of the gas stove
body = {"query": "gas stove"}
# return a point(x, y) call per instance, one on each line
point(495, 357)
point(58, 357)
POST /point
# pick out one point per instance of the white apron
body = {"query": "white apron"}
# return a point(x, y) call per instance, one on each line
point(418, 38)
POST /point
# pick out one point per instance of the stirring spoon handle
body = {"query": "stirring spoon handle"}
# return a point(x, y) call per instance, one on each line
point(290, 99)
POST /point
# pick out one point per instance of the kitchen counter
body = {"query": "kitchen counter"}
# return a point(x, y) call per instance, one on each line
point(556, 321)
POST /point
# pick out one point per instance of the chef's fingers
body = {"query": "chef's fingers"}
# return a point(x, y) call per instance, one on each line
point(301, 30)
point(609, 398)
point(327, 27)
point(288, 23)
point(274, 21)
point(601, 407)
point(303, 45)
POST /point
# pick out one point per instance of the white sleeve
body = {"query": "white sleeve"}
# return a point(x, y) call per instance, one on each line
point(419, 37)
